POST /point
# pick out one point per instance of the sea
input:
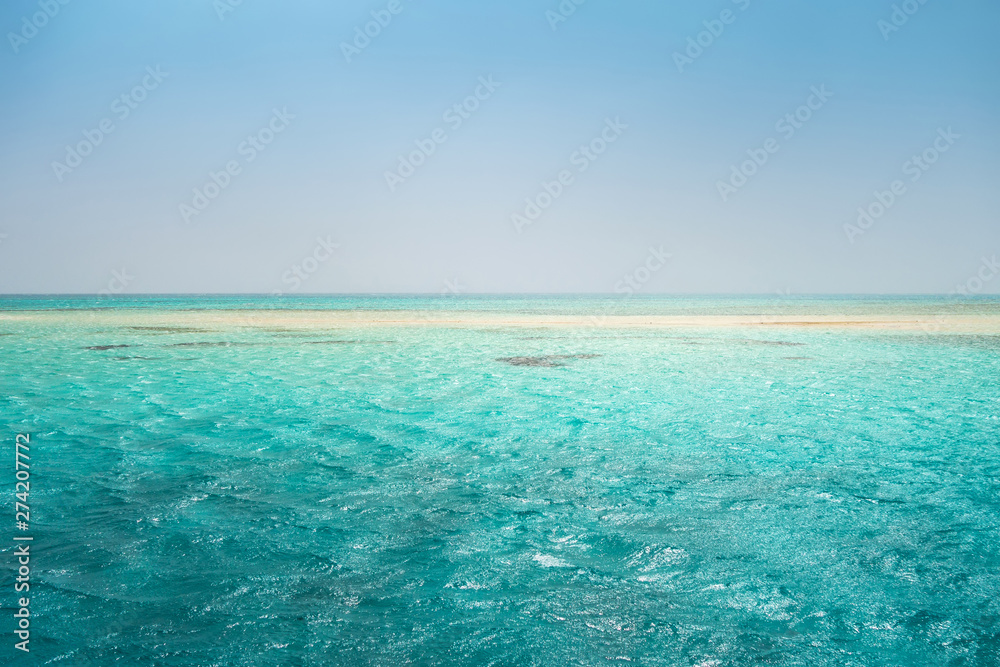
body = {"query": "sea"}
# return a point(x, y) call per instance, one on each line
point(215, 482)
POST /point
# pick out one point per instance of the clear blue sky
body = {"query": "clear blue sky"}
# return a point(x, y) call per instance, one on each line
point(556, 84)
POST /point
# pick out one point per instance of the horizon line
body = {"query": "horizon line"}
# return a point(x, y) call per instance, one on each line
point(622, 297)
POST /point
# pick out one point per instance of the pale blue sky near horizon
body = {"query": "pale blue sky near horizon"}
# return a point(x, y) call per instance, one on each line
point(322, 180)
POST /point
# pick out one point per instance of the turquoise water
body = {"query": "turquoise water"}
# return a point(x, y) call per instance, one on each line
point(218, 495)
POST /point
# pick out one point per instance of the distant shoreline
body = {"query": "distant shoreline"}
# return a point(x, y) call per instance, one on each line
point(343, 319)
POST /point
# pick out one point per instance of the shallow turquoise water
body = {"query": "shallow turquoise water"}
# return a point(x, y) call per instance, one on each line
point(396, 495)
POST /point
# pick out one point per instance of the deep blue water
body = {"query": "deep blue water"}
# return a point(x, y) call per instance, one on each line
point(254, 495)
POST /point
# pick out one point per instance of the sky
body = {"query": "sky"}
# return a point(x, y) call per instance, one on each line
point(722, 146)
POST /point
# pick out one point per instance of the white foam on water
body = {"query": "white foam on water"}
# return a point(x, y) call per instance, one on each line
point(546, 560)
